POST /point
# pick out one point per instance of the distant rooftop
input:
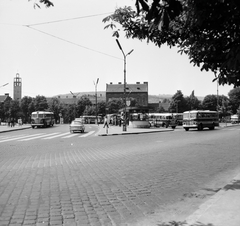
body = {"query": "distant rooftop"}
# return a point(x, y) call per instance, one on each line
point(119, 88)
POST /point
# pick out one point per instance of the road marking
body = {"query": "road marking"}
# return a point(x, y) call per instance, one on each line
point(16, 138)
point(71, 135)
point(8, 137)
point(32, 138)
point(59, 135)
point(87, 134)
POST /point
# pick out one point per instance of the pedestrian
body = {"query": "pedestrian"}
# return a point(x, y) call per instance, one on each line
point(105, 123)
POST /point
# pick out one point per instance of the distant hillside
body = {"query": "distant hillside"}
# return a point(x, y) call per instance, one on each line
point(102, 95)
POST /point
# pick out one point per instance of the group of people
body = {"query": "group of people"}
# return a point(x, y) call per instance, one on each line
point(11, 122)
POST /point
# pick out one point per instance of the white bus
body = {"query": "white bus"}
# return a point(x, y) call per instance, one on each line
point(199, 119)
point(91, 119)
point(235, 119)
point(162, 119)
point(42, 119)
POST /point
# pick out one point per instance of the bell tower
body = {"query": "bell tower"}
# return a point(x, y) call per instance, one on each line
point(17, 88)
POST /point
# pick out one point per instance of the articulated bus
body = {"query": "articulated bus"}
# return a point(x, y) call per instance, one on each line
point(42, 119)
point(199, 119)
point(162, 119)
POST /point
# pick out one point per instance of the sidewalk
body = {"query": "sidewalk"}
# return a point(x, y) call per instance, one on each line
point(117, 130)
point(5, 128)
point(223, 209)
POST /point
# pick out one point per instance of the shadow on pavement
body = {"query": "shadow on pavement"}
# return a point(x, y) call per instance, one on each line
point(233, 186)
point(174, 223)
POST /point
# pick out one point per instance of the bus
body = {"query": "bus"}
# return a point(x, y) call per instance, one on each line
point(235, 119)
point(162, 119)
point(42, 119)
point(179, 118)
point(199, 119)
point(91, 119)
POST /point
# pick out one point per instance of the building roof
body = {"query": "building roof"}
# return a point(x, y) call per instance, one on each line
point(133, 88)
point(3, 98)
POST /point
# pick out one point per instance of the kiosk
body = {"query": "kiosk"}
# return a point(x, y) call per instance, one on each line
point(137, 117)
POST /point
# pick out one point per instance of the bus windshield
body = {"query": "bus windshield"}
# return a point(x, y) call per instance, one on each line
point(189, 115)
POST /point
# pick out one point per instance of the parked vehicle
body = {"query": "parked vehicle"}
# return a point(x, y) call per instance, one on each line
point(199, 119)
point(91, 119)
point(162, 120)
point(42, 119)
point(76, 126)
point(235, 119)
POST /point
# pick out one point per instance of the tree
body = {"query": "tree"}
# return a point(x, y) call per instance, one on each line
point(82, 103)
point(102, 108)
point(192, 102)
point(90, 110)
point(47, 3)
point(115, 105)
point(210, 102)
point(207, 31)
point(234, 98)
point(55, 106)
point(178, 103)
point(25, 108)
point(40, 103)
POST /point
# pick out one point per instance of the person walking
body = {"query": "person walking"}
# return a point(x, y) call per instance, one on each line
point(105, 123)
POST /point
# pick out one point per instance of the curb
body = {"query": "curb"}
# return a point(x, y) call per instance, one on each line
point(204, 208)
point(10, 130)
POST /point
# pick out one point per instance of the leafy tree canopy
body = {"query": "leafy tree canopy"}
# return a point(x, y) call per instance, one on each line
point(234, 98)
point(207, 31)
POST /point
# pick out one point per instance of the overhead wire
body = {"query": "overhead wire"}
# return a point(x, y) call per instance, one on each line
point(73, 43)
point(31, 26)
point(68, 19)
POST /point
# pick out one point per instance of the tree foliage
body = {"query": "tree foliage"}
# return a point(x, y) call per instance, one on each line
point(207, 31)
point(234, 98)
point(178, 102)
point(40, 103)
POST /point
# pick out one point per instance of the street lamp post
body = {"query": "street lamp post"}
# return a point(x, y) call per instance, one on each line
point(4, 85)
point(124, 89)
point(95, 84)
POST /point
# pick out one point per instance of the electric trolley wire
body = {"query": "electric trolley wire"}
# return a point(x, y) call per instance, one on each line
point(73, 43)
point(31, 26)
point(69, 19)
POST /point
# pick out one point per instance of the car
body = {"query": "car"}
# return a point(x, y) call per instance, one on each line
point(76, 126)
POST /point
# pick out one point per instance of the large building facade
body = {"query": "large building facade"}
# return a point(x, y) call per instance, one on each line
point(137, 91)
point(17, 88)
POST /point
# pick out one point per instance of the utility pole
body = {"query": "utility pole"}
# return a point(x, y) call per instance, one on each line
point(124, 89)
point(95, 84)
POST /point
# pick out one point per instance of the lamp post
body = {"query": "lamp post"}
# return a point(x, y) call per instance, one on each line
point(95, 84)
point(4, 85)
point(124, 89)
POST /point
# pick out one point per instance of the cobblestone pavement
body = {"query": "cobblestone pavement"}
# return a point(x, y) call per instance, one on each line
point(95, 185)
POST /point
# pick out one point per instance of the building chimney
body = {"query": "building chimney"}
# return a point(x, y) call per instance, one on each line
point(137, 82)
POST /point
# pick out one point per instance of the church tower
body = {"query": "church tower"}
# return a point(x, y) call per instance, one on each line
point(17, 88)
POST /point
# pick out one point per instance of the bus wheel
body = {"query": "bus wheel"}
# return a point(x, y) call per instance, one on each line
point(173, 127)
point(200, 127)
point(33, 127)
point(186, 129)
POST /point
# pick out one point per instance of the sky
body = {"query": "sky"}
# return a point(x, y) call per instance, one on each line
point(67, 49)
